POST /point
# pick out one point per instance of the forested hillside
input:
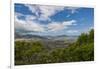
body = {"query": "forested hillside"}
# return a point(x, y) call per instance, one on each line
point(34, 52)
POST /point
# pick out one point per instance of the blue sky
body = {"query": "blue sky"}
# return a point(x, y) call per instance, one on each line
point(52, 20)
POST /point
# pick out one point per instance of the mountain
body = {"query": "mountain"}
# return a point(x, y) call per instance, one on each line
point(28, 36)
point(38, 37)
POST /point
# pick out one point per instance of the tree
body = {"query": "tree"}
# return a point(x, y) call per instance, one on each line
point(83, 38)
point(91, 36)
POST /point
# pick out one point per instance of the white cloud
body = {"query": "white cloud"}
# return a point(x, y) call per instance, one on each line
point(33, 8)
point(54, 26)
point(72, 9)
point(46, 11)
point(28, 25)
point(72, 31)
point(30, 17)
point(68, 15)
point(69, 22)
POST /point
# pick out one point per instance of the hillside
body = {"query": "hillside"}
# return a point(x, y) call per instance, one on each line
point(35, 52)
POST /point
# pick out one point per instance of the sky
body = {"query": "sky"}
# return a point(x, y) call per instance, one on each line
point(52, 20)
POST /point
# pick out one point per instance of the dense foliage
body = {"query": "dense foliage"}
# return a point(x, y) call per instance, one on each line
point(33, 52)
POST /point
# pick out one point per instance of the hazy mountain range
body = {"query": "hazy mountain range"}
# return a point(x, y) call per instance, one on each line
point(38, 37)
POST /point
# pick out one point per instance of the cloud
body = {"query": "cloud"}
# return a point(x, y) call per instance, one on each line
point(72, 9)
point(69, 22)
point(28, 24)
point(72, 31)
point(33, 8)
point(31, 22)
point(30, 17)
point(44, 12)
point(54, 26)
point(26, 17)
point(68, 15)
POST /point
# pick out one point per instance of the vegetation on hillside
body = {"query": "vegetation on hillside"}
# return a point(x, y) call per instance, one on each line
point(27, 52)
